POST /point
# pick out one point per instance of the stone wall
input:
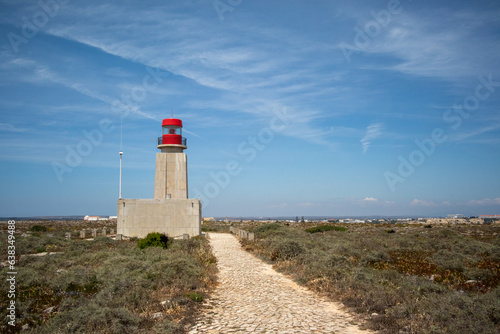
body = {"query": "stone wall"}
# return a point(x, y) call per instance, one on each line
point(242, 234)
point(174, 217)
point(91, 233)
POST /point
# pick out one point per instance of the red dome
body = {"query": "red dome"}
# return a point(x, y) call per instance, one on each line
point(171, 121)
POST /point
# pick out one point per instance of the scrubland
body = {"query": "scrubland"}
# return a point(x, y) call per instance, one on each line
point(398, 278)
point(106, 286)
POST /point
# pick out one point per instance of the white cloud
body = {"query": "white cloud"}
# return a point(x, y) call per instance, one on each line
point(11, 128)
point(278, 206)
point(419, 202)
point(370, 199)
point(466, 135)
point(485, 201)
point(46, 73)
point(250, 79)
point(118, 72)
point(373, 131)
point(432, 43)
point(308, 205)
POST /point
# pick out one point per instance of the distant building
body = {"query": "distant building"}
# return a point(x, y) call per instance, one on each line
point(95, 218)
point(455, 216)
point(489, 216)
point(209, 219)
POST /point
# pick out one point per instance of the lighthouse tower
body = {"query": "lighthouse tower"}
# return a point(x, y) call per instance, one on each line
point(171, 162)
point(170, 211)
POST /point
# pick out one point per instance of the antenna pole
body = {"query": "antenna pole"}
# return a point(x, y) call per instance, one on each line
point(120, 190)
point(121, 154)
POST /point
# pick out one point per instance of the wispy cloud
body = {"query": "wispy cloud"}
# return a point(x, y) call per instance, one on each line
point(46, 73)
point(432, 43)
point(419, 202)
point(424, 203)
point(308, 205)
point(485, 201)
point(227, 80)
point(373, 131)
point(278, 206)
point(245, 79)
point(11, 128)
point(476, 132)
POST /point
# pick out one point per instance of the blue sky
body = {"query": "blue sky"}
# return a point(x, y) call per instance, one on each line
point(289, 107)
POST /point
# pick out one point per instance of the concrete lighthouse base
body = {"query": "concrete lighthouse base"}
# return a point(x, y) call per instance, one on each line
point(174, 217)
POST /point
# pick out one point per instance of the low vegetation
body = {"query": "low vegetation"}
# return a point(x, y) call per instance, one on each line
point(38, 228)
point(25, 226)
point(324, 228)
point(107, 286)
point(154, 239)
point(215, 226)
point(399, 278)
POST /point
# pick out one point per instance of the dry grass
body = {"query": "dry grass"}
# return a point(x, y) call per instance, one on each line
point(401, 278)
point(215, 226)
point(23, 226)
point(107, 286)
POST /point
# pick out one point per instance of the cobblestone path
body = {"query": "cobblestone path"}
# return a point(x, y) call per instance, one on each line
point(254, 298)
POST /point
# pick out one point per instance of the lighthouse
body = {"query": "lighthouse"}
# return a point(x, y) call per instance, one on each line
point(171, 162)
point(170, 211)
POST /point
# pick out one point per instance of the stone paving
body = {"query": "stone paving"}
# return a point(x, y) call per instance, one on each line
point(253, 298)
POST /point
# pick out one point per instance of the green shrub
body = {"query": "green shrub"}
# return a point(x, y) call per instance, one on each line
point(103, 240)
point(193, 243)
point(106, 286)
point(37, 243)
point(38, 228)
point(40, 249)
point(286, 250)
point(92, 318)
point(324, 228)
point(195, 296)
point(447, 233)
point(267, 227)
point(415, 280)
point(153, 239)
point(376, 259)
point(215, 227)
point(448, 260)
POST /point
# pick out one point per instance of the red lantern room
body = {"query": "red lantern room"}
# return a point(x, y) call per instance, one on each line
point(172, 135)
